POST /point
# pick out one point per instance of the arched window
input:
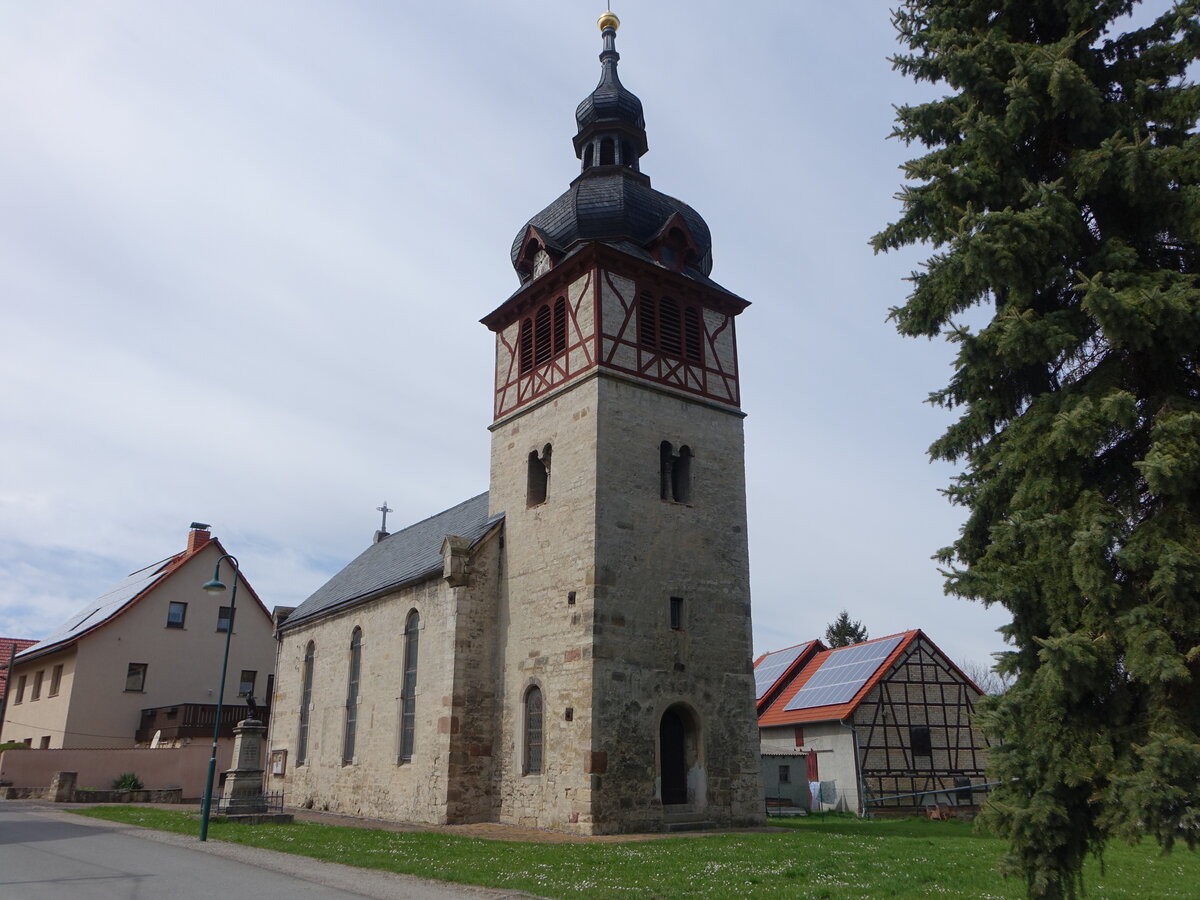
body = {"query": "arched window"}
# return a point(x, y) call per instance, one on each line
point(626, 154)
point(539, 477)
point(352, 696)
point(675, 473)
point(587, 156)
point(533, 731)
point(526, 345)
point(607, 152)
point(408, 692)
point(305, 704)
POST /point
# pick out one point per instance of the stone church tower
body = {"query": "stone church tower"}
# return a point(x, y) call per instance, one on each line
point(625, 689)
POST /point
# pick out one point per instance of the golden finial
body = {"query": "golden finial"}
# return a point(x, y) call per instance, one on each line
point(608, 20)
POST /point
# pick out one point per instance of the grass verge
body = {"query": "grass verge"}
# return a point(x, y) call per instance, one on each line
point(814, 858)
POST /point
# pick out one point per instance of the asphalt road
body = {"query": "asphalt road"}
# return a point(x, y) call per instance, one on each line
point(47, 854)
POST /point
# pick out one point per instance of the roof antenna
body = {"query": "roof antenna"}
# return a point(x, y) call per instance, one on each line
point(382, 532)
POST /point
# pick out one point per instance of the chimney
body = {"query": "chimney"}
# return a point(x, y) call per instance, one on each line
point(198, 536)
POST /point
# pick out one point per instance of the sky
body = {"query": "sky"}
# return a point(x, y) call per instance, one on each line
point(244, 249)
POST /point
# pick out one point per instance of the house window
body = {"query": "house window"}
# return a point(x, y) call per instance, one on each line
point(176, 613)
point(305, 703)
point(533, 731)
point(55, 680)
point(135, 677)
point(20, 698)
point(246, 683)
point(38, 677)
point(224, 618)
point(677, 614)
point(799, 736)
point(675, 473)
point(352, 697)
point(45, 742)
point(539, 477)
point(785, 774)
point(408, 692)
point(920, 740)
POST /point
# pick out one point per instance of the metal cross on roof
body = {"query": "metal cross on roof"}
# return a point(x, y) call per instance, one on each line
point(384, 509)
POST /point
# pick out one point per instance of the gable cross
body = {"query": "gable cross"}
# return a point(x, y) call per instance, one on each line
point(384, 509)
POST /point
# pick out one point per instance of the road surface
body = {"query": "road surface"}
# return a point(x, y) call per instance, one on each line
point(48, 854)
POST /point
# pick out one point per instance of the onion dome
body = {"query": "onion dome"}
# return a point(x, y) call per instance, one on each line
point(612, 200)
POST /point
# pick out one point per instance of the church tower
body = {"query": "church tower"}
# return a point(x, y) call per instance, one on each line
point(625, 684)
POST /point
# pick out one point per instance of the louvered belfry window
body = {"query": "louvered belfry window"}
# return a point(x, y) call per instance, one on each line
point(543, 336)
point(671, 328)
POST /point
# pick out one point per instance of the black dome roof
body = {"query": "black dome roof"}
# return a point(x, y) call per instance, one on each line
point(614, 203)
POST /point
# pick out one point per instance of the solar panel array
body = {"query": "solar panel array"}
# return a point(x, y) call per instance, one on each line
point(843, 674)
point(772, 666)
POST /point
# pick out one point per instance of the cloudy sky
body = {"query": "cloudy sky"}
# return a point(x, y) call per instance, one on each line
point(244, 248)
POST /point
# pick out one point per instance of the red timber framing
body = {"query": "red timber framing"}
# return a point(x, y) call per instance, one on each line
point(925, 691)
point(585, 313)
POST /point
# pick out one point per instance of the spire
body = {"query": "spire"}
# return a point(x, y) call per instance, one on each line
point(612, 130)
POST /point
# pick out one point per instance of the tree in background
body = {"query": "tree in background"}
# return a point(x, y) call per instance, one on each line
point(842, 632)
point(1059, 191)
point(985, 676)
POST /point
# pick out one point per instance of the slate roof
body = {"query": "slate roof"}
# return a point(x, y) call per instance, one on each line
point(778, 714)
point(402, 558)
point(614, 203)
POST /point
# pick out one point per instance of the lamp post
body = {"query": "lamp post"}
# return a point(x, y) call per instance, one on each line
point(216, 587)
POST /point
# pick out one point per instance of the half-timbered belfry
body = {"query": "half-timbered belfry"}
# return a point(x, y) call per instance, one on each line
point(583, 628)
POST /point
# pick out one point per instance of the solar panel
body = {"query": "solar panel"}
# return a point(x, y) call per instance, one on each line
point(772, 666)
point(843, 674)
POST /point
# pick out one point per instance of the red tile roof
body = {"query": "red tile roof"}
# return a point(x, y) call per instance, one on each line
point(777, 713)
point(6, 649)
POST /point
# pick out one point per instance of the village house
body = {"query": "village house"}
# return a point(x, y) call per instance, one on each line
point(153, 642)
point(571, 649)
point(883, 726)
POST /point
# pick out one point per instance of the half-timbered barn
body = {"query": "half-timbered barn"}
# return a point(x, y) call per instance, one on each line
point(570, 650)
point(881, 726)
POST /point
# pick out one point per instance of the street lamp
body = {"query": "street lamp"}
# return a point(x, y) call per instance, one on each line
point(216, 587)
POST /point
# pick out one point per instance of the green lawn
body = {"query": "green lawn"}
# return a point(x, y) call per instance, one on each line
point(825, 858)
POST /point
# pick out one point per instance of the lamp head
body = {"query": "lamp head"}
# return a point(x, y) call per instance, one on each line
point(214, 587)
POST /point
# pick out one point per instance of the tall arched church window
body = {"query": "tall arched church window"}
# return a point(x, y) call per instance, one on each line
point(305, 703)
point(533, 732)
point(352, 696)
point(408, 691)
point(539, 477)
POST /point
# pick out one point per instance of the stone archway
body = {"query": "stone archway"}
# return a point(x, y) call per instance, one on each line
point(681, 775)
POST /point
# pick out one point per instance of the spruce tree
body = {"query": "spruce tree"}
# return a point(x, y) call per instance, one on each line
point(1058, 191)
point(842, 631)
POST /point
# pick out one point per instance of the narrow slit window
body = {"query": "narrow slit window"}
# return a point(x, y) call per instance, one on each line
point(56, 680)
point(38, 677)
point(677, 614)
point(408, 692)
point(681, 476)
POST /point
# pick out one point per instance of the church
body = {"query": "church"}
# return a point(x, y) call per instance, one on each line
point(570, 650)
